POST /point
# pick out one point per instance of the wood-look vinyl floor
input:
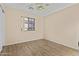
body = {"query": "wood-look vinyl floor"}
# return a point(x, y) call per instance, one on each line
point(40, 47)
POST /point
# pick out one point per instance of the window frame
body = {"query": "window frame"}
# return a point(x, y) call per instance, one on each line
point(30, 23)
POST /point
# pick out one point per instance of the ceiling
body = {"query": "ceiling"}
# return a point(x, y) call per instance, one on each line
point(39, 9)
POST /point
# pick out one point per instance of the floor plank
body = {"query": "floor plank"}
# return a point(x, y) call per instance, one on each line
point(40, 47)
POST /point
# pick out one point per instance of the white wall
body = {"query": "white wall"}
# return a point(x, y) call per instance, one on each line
point(13, 27)
point(63, 27)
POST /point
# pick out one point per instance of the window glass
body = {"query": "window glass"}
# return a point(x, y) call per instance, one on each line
point(29, 24)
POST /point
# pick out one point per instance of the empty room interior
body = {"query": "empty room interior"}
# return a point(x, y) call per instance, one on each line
point(39, 29)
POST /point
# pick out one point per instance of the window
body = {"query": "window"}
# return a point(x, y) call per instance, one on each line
point(29, 24)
